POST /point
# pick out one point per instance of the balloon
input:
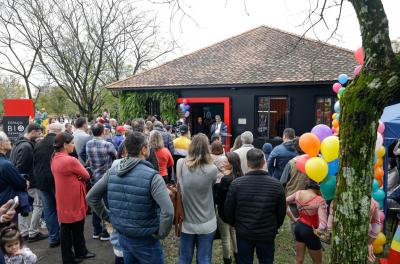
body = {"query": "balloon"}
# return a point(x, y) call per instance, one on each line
point(184, 110)
point(377, 249)
point(336, 86)
point(316, 169)
point(379, 141)
point(337, 107)
point(334, 116)
point(380, 239)
point(187, 107)
point(182, 106)
point(301, 162)
point(328, 187)
point(334, 130)
point(379, 195)
point(375, 158)
point(310, 144)
point(359, 56)
point(185, 101)
point(187, 113)
point(343, 78)
point(381, 152)
point(321, 131)
point(378, 163)
point(335, 123)
point(375, 185)
point(378, 173)
point(357, 70)
point(381, 127)
point(338, 117)
point(330, 148)
point(381, 216)
point(341, 91)
point(333, 167)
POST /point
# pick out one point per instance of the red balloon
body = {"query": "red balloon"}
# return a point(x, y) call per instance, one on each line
point(185, 101)
point(359, 56)
point(301, 162)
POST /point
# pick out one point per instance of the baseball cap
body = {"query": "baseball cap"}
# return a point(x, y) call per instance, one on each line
point(120, 129)
point(183, 129)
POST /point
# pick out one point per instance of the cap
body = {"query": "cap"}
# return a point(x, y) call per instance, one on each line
point(183, 129)
point(120, 129)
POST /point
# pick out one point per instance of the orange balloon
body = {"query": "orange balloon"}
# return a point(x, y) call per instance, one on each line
point(379, 163)
point(378, 173)
point(334, 116)
point(335, 123)
point(310, 144)
point(380, 182)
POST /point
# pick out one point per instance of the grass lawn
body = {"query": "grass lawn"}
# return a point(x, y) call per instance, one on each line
point(284, 249)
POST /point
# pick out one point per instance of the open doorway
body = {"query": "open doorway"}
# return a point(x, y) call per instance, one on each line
point(207, 112)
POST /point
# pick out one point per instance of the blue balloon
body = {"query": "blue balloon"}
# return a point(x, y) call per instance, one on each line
point(333, 167)
point(187, 107)
point(184, 110)
point(375, 158)
point(375, 186)
point(343, 78)
point(182, 106)
point(338, 117)
point(337, 107)
point(328, 187)
point(379, 196)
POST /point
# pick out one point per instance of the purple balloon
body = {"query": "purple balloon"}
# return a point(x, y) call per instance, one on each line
point(187, 107)
point(187, 114)
point(322, 131)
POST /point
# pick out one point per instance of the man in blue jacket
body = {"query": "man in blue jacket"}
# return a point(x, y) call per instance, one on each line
point(281, 154)
point(139, 206)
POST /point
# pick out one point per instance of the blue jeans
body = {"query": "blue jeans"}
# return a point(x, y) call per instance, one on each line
point(50, 215)
point(265, 251)
point(204, 248)
point(141, 250)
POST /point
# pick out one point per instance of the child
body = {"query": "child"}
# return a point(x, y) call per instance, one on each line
point(12, 245)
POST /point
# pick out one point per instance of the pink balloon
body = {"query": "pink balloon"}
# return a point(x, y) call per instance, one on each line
point(301, 162)
point(359, 56)
point(357, 70)
point(381, 127)
point(379, 141)
point(381, 216)
point(336, 86)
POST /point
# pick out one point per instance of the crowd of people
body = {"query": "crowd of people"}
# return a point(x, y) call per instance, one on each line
point(123, 170)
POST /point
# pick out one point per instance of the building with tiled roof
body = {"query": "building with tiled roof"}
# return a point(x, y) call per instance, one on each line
point(271, 79)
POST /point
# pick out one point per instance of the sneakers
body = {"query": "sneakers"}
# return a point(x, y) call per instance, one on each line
point(38, 237)
point(96, 235)
point(104, 237)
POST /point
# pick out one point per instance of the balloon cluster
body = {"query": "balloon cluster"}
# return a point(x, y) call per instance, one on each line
point(339, 88)
point(184, 107)
point(377, 193)
point(320, 161)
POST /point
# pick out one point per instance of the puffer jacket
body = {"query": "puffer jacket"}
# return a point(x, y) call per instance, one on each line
point(279, 157)
point(256, 206)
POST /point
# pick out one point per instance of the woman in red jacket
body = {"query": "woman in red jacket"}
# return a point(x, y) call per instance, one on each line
point(163, 155)
point(69, 178)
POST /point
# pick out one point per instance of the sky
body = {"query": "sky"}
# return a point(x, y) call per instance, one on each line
point(209, 21)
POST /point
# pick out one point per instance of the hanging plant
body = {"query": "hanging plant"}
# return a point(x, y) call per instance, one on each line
point(133, 105)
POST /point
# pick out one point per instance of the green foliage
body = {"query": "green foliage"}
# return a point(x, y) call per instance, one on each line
point(10, 88)
point(56, 103)
point(133, 104)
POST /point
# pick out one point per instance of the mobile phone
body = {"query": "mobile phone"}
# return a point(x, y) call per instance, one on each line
point(15, 204)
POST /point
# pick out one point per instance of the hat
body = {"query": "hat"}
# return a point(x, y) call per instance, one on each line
point(120, 129)
point(55, 128)
point(183, 129)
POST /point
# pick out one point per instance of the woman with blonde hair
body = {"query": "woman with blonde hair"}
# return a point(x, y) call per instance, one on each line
point(163, 155)
point(197, 174)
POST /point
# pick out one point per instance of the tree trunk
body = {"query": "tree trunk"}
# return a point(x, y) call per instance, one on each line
point(361, 106)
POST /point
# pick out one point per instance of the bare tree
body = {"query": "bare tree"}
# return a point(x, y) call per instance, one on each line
point(81, 44)
point(20, 42)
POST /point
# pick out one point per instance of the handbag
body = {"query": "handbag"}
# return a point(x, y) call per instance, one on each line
point(176, 197)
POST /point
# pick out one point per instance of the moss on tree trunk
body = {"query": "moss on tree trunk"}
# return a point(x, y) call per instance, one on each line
point(361, 106)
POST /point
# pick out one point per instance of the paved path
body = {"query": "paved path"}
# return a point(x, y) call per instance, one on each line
point(103, 250)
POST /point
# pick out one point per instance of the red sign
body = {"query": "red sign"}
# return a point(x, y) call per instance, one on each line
point(19, 107)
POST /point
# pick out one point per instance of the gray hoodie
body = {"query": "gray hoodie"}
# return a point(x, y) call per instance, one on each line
point(159, 193)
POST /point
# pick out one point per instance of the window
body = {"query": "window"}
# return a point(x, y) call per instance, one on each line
point(153, 107)
point(323, 110)
point(272, 116)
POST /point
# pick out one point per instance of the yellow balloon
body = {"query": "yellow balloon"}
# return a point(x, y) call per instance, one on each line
point(380, 239)
point(330, 148)
point(316, 169)
point(381, 152)
point(378, 249)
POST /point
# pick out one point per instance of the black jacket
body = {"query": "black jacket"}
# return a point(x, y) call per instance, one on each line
point(221, 190)
point(22, 158)
point(41, 159)
point(256, 206)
